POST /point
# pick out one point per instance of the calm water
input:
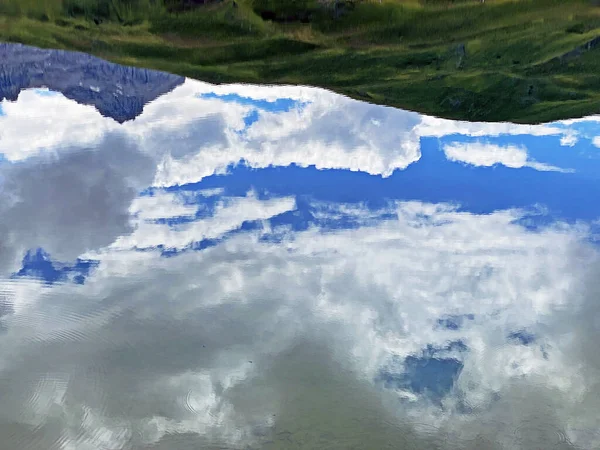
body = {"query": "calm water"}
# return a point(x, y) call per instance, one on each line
point(189, 266)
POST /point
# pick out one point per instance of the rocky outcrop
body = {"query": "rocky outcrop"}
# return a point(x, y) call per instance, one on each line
point(116, 91)
point(577, 51)
point(461, 53)
point(186, 5)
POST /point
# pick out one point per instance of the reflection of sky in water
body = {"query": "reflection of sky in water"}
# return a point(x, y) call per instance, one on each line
point(257, 105)
point(194, 273)
point(37, 264)
point(45, 92)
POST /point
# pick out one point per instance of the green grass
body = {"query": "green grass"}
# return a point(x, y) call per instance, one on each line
point(496, 61)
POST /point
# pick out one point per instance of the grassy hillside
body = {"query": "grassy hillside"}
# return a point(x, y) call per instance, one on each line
point(520, 60)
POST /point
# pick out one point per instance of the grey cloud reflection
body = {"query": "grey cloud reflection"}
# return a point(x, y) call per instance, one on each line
point(70, 203)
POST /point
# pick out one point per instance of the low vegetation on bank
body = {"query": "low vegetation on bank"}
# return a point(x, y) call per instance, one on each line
point(493, 60)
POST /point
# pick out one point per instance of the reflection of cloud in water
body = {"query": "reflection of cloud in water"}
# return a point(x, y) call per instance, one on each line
point(227, 216)
point(195, 130)
point(308, 321)
point(71, 203)
point(225, 342)
point(38, 123)
point(486, 155)
point(569, 139)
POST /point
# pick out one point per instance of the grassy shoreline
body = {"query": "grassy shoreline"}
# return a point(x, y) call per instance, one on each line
point(525, 61)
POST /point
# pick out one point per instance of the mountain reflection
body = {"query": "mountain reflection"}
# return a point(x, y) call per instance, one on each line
point(116, 91)
point(283, 267)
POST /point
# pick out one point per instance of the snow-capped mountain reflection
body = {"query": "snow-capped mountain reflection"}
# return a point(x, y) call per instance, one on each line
point(283, 267)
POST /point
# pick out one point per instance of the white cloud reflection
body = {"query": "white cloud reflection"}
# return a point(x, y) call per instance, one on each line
point(197, 343)
point(194, 137)
point(486, 155)
point(259, 340)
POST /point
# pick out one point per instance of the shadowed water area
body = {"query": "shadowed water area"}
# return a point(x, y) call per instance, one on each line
point(194, 266)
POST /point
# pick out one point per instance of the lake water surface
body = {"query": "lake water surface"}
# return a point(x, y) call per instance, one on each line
point(191, 266)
